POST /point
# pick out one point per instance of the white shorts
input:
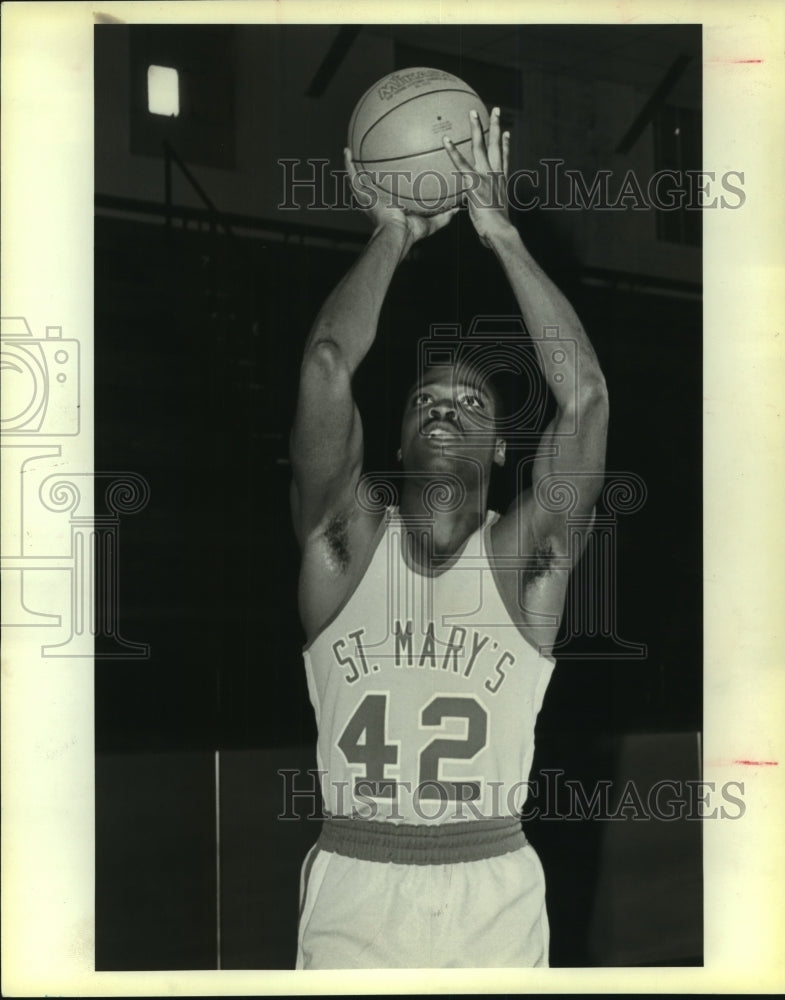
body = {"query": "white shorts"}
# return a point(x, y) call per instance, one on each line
point(357, 914)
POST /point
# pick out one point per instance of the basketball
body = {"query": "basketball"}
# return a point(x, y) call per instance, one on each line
point(397, 129)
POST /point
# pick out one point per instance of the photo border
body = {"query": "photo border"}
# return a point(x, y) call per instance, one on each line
point(47, 704)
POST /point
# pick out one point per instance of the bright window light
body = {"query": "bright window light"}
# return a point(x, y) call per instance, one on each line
point(163, 91)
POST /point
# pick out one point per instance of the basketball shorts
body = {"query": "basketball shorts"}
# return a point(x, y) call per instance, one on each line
point(357, 913)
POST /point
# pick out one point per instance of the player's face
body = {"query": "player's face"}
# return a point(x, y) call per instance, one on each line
point(448, 413)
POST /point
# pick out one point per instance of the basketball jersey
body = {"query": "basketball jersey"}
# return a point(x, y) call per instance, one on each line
point(425, 691)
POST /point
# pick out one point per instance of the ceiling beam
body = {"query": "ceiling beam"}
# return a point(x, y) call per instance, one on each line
point(654, 103)
point(336, 54)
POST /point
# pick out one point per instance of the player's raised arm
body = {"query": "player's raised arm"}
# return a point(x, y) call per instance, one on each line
point(326, 441)
point(572, 447)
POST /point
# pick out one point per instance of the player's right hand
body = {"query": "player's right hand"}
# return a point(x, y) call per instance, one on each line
point(487, 188)
point(379, 205)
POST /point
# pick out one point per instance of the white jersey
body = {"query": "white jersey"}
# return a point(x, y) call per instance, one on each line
point(425, 691)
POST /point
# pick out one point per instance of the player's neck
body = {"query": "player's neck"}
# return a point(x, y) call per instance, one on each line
point(448, 524)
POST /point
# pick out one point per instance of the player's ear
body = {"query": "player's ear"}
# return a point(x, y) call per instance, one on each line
point(500, 451)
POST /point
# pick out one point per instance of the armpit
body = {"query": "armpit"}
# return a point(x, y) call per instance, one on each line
point(336, 538)
point(540, 562)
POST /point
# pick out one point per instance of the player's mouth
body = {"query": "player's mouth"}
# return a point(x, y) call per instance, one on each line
point(440, 432)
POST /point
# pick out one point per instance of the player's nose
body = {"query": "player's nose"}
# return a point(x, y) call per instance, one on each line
point(442, 410)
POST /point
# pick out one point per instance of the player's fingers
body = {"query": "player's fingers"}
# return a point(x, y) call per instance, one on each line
point(441, 220)
point(360, 180)
point(494, 151)
point(360, 183)
point(351, 169)
point(506, 154)
point(459, 160)
point(479, 151)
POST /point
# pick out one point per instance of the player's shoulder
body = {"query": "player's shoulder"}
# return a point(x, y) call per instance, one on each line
point(345, 532)
point(529, 522)
point(522, 532)
point(335, 556)
point(512, 530)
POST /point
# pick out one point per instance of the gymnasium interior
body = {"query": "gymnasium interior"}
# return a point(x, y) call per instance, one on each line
point(208, 276)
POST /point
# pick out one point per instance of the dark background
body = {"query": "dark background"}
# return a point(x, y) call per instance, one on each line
point(198, 335)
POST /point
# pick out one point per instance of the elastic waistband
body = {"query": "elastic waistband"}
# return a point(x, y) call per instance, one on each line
point(418, 844)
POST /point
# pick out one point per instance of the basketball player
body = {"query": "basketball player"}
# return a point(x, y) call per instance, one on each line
point(428, 625)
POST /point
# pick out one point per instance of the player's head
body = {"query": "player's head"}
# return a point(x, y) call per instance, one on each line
point(452, 410)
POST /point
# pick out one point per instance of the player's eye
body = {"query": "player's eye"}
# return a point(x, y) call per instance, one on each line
point(471, 401)
point(421, 399)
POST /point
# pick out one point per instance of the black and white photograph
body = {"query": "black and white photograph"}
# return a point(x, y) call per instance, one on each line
point(400, 556)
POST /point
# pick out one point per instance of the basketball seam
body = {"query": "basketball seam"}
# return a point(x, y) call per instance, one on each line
point(425, 152)
point(442, 90)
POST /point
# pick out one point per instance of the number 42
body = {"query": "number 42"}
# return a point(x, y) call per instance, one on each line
point(364, 741)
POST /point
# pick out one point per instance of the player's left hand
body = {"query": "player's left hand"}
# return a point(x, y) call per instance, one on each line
point(485, 183)
point(382, 210)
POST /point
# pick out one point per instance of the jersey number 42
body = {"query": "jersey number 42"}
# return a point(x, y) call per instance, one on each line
point(364, 741)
